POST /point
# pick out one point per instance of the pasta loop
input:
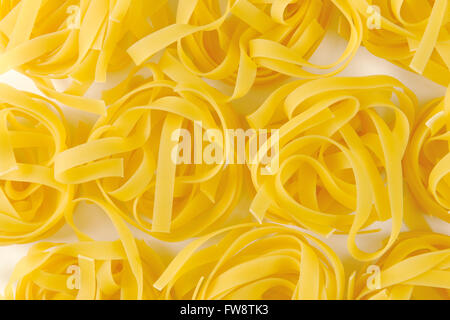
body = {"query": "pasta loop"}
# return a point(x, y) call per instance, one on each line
point(250, 41)
point(416, 268)
point(339, 166)
point(427, 162)
point(254, 262)
point(32, 134)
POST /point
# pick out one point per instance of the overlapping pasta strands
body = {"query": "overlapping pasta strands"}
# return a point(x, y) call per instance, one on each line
point(73, 39)
point(254, 262)
point(427, 162)
point(32, 133)
point(412, 34)
point(417, 267)
point(252, 41)
point(85, 271)
point(130, 155)
point(341, 144)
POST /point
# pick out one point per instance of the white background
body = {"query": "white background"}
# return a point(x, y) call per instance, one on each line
point(92, 219)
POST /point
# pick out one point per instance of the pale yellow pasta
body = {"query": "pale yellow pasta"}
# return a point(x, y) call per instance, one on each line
point(416, 268)
point(410, 33)
point(88, 270)
point(427, 162)
point(79, 40)
point(254, 262)
point(32, 134)
point(243, 42)
point(342, 141)
point(128, 156)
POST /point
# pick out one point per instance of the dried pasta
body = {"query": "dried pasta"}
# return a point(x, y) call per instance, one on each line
point(253, 262)
point(74, 39)
point(32, 134)
point(427, 162)
point(342, 141)
point(129, 156)
point(417, 267)
point(87, 270)
point(412, 34)
point(252, 41)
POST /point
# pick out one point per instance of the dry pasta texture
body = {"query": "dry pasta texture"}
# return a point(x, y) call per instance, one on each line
point(32, 134)
point(129, 155)
point(427, 163)
point(91, 270)
point(414, 35)
point(253, 262)
point(417, 267)
point(244, 42)
point(341, 145)
point(72, 39)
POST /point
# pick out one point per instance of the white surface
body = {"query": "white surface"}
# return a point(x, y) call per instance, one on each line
point(92, 219)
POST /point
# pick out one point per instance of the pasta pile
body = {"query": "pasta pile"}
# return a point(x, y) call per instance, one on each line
point(338, 155)
point(414, 35)
point(32, 133)
point(252, 41)
point(341, 155)
point(254, 262)
point(417, 267)
point(427, 163)
point(74, 39)
point(85, 271)
point(129, 155)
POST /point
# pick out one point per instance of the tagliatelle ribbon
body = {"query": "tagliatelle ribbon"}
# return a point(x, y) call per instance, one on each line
point(32, 134)
point(427, 162)
point(417, 267)
point(130, 156)
point(245, 42)
point(73, 39)
point(412, 34)
point(254, 262)
point(87, 270)
point(341, 145)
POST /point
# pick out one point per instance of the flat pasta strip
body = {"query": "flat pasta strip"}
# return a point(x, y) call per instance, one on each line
point(135, 156)
point(32, 134)
point(339, 164)
point(417, 267)
point(427, 162)
point(86, 270)
point(76, 40)
point(254, 262)
point(414, 35)
point(247, 42)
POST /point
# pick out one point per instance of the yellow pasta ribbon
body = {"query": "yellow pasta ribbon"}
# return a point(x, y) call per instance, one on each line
point(414, 35)
point(87, 270)
point(247, 42)
point(32, 134)
point(129, 155)
point(427, 162)
point(416, 268)
point(74, 39)
point(254, 262)
point(341, 145)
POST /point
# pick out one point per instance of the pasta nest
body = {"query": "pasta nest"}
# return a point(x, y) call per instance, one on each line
point(417, 267)
point(411, 34)
point(32, 134)
point(129, 156)
point(253, 262)
point(427, 163)
point(338, 167)
point(72, 39)
point(244, 42)
point(92, 270)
